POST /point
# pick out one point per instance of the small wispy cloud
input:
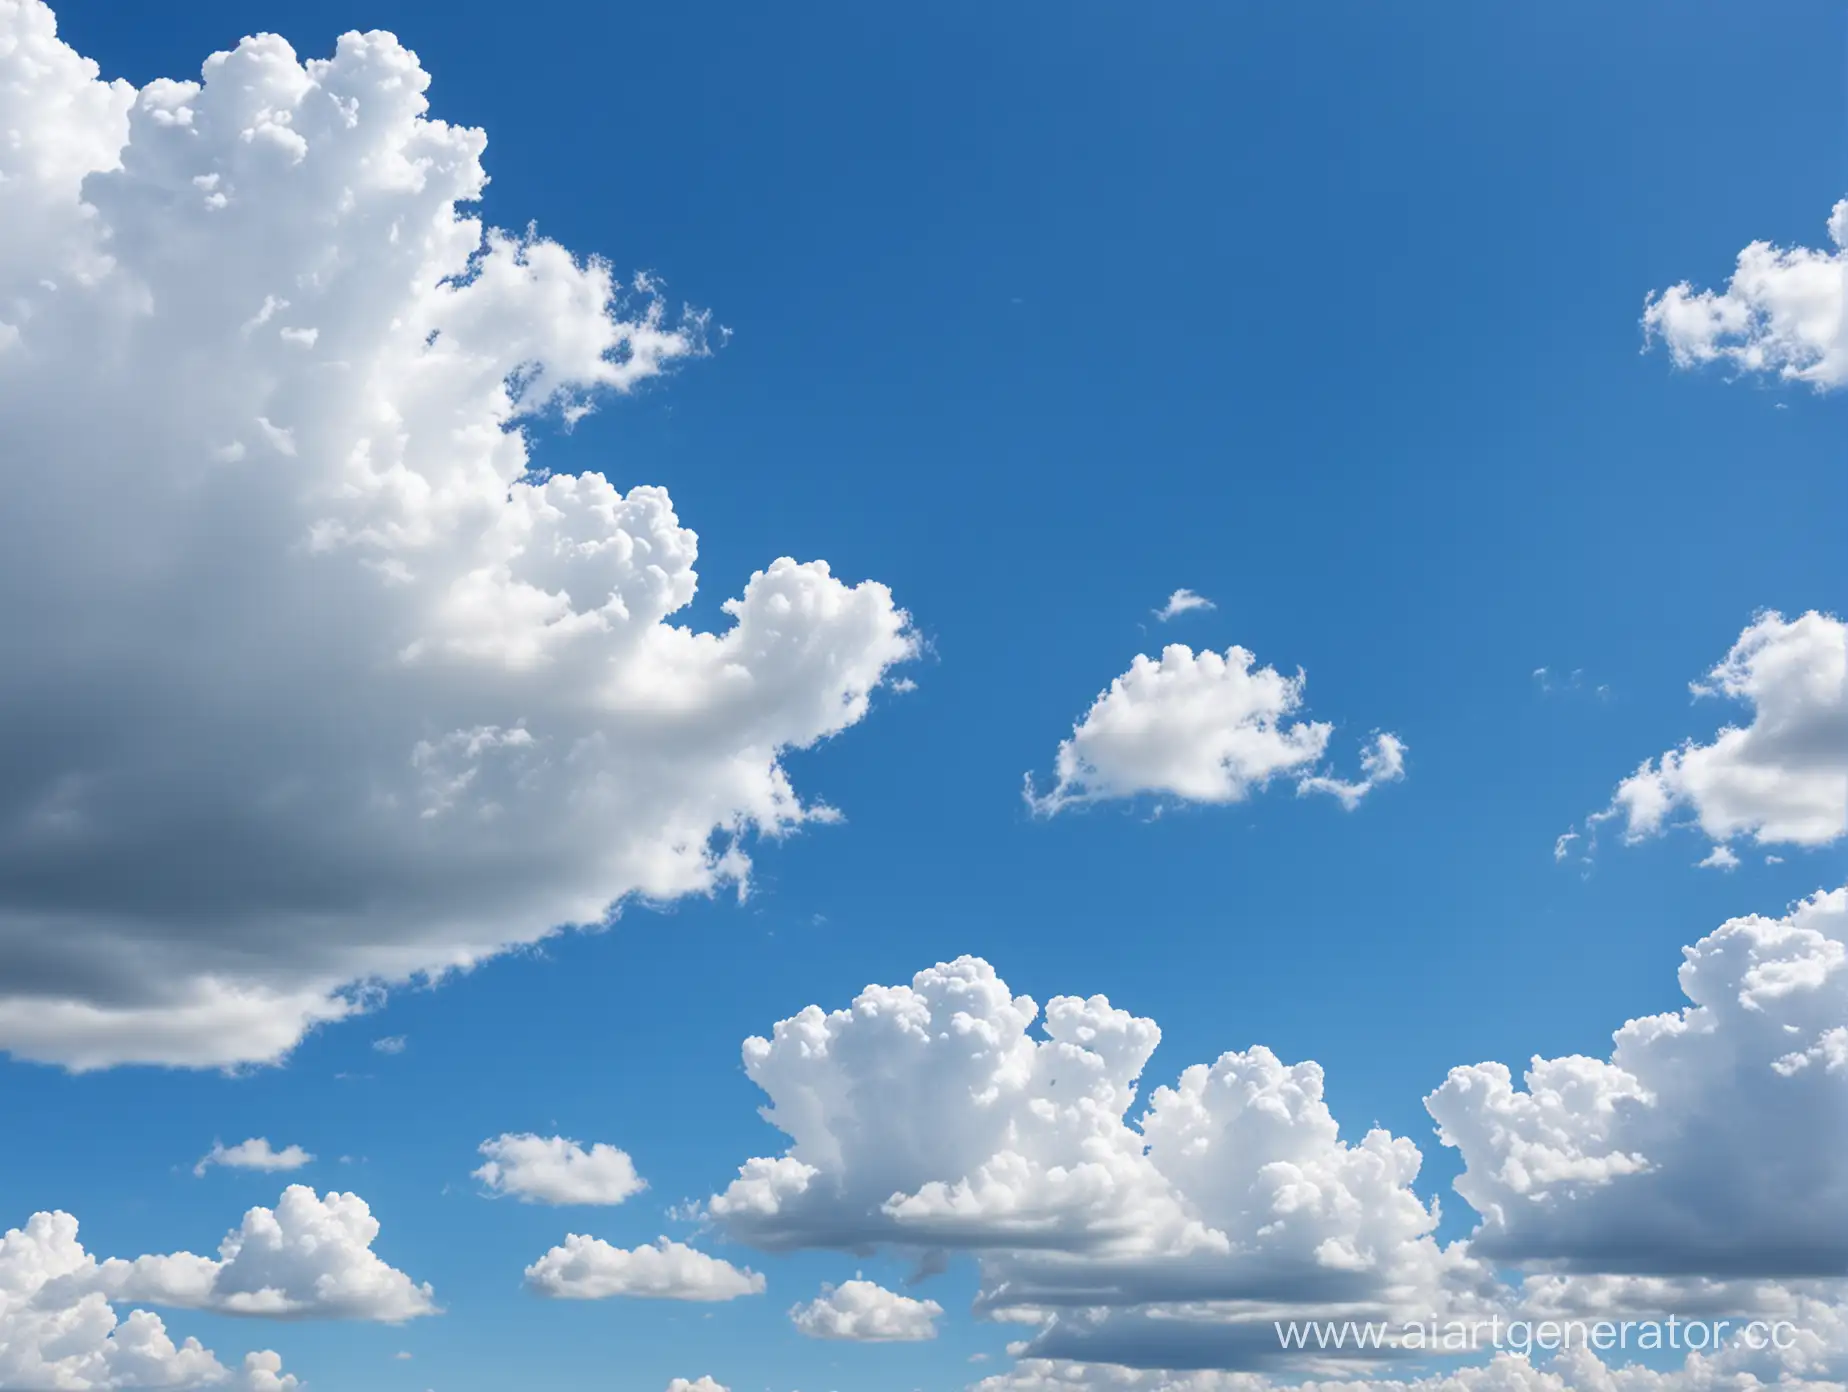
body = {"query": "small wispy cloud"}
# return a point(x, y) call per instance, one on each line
point(1183, 602)
point(1551, 683)
point(390, 1044)
point(253, 1154)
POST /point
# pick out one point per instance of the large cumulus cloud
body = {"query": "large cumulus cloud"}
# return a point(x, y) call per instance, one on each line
point(1710, 1143)
point(312, 681)
point(935, 1117)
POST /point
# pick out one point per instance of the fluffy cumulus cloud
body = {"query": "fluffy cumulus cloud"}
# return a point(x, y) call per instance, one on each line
point(704, 1384)
point(59, 1328)
point(935, 1117)
point(1208, 728)
point(861, 1311)
point(310, 1257)
point(1783, 313)
point(588, 1268)
point(1696, 1170)
point(399, 698)
point(1709, 1143)
point(554, 1170)
point(253, 1154)
point(1781, 779)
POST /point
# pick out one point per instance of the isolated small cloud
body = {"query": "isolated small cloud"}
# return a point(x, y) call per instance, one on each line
point(705, 1384)
point(1205, 728)
point(1720, 858)
point(1784, 313)
point(1183, 602)
point(390, 1044)
point(588, 1268)
point(1551, 683)
point(253, 1154)
point(860, 1311)
point(555, 1170)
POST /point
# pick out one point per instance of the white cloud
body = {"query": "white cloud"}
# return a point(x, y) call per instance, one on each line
point(1201, 728)
point(1720, 858)
point(57, 1331)
point(1784, 312)
point(1734, 1370)
point(1782, 779)
point(1710, 1141)
point(1696, 1170)
point(933, 1117)
point(390, 1044)
point(554, 1170)
point(1382, 761)
point(588, 1268)
point(398, 703)
point(1183, 602)
point(254, 1154)
point(862, 1312)
point(704, 1384)
point(308, 1258)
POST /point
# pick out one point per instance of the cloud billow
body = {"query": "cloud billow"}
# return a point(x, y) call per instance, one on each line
point(324, 684)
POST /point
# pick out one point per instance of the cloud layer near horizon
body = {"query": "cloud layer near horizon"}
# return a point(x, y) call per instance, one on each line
point(310, 1257)
point(1697, 1168)
point(398, 702)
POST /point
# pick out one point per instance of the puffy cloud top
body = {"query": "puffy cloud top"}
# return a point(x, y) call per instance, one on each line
point(860, 1311)
point(1782, 779)
point(554, 1170)
point(322, 683)
point(1710, 1142)
point(932, 1116)
point(588, 1268)
point(1784, 312)
point(310, 1257)
point(1202, 727)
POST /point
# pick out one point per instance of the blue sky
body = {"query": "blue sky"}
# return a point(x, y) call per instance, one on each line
point(1035, 314)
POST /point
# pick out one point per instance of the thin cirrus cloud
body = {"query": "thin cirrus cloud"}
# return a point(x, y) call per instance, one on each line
point(556, 1170)
point(1784, 313)
point(415, 701)
point(588, 1268)
point(1203, 728)
point(253, 1154)
point(1779, 780)
point(863, 1312)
